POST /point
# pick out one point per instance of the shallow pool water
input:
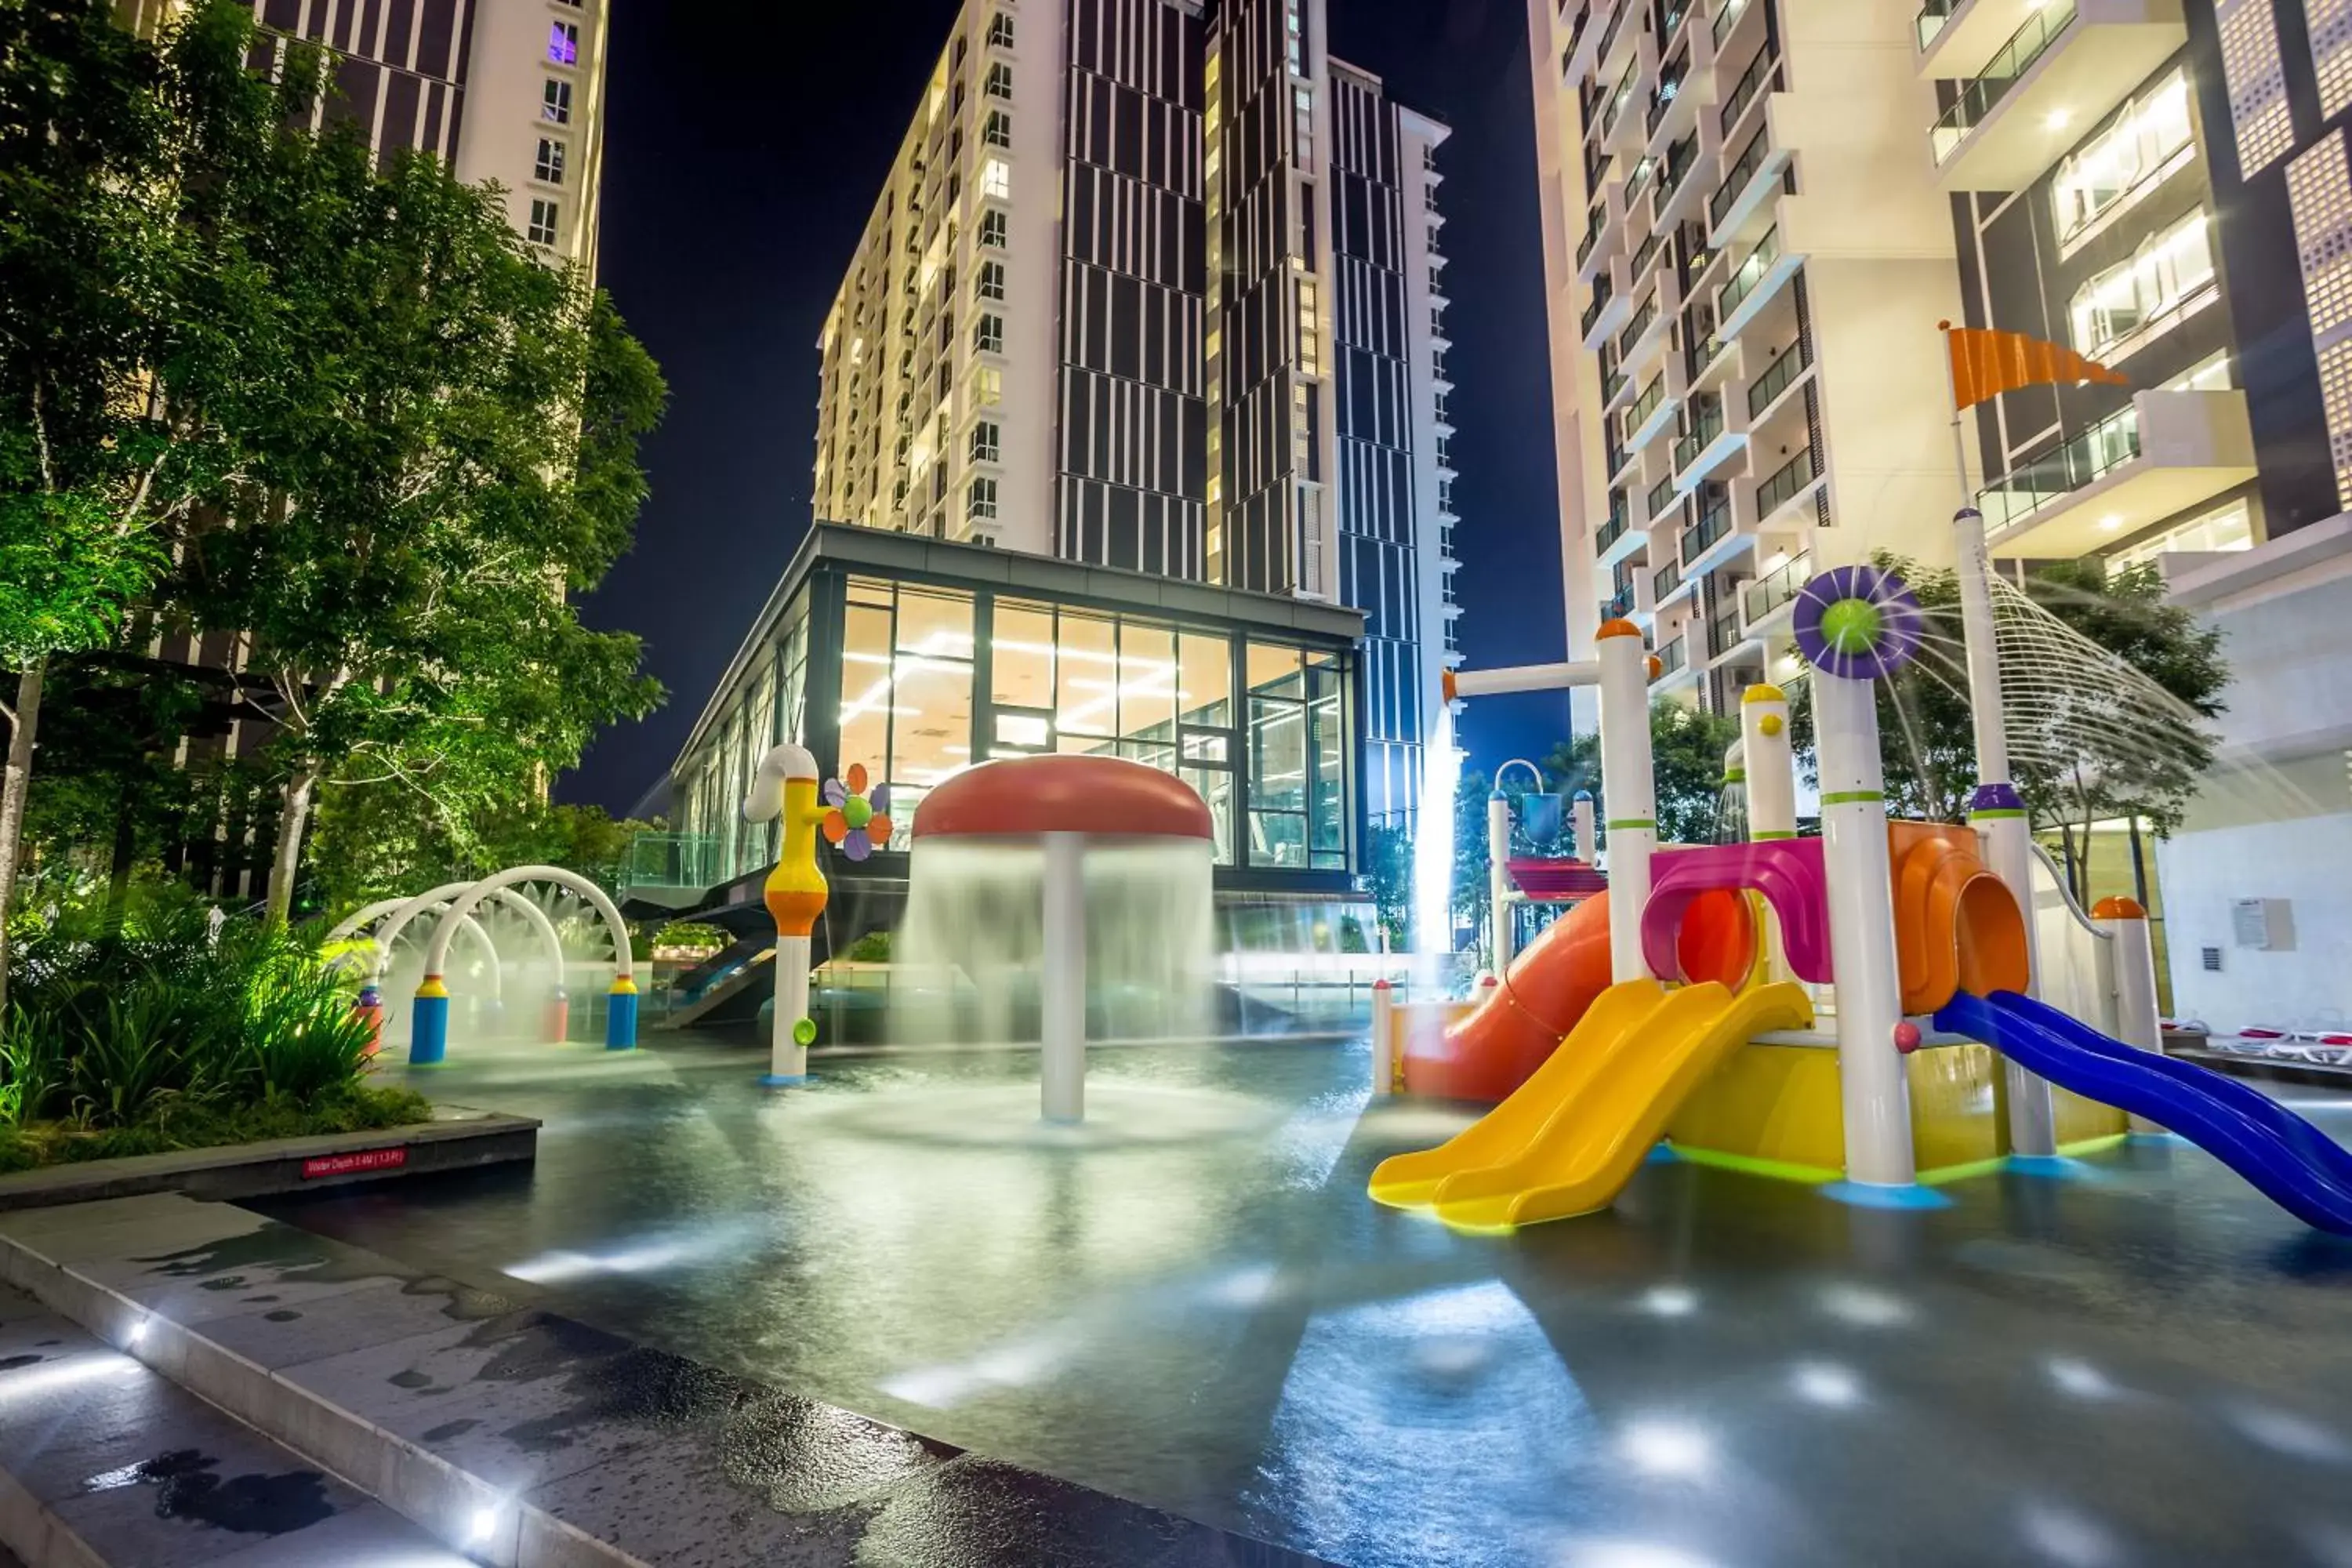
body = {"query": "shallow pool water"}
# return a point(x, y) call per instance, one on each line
point(1190, 1302)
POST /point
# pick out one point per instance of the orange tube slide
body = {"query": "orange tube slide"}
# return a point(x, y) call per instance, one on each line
point(1519, 1024)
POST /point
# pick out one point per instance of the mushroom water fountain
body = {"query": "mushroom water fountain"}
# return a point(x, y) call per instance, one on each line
point(1084, 879)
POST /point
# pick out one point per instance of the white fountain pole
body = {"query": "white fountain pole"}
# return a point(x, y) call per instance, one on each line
point(1771, 767)
point(1998, 813)
point(1499, 873)
point(1629, 789)
point(1064, 985)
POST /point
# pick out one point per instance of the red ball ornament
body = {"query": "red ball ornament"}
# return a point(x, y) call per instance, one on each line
point(1907, 1036)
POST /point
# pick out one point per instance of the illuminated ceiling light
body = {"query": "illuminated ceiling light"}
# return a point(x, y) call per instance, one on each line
point(2112, 522)
point(2057, 118)
point(485, 1520)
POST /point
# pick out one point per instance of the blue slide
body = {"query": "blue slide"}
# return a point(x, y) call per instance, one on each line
point(2293, 1164)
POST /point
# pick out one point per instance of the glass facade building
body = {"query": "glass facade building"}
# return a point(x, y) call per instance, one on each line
point(919, 657)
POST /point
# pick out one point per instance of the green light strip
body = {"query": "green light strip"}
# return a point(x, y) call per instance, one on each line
point(1755, 1165)
point(1770, 836)
point(1994, 815)
point(1633, 823)
point(1855, 797)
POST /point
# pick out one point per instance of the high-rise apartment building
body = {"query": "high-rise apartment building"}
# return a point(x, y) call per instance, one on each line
point(2159, 185)
point(504, 90)
point(1151, 290)
point(1746, 253)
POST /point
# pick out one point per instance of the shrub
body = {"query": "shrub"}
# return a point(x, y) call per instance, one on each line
point(874, 947)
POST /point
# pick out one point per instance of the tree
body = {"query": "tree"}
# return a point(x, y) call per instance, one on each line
point(1687, 747)
point(2084, 754)
point(1388, 877)
point(443, 446)
point(116, 319)
point(372, 842)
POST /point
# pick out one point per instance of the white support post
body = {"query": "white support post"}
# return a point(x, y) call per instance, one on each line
point(1498, 878)
point(1874, 1082)
point(789, 1044)
point(1384, 1039)
point(1998, 813)
point(2132, 953)
point(1587, 839)
point(1629, 788)
point(1771, 764)
point(1063, 989)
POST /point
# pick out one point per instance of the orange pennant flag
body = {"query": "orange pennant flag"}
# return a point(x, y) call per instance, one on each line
point(1986, 363)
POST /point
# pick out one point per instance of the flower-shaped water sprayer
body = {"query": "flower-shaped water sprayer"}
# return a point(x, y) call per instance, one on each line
point(860, 822)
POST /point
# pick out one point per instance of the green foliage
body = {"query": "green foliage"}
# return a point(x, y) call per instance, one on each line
point(182, 1125)
point(377, 841)
point(1687, 747)
point(440, 433)
point(874, 947)
point(1388, 877)
point(167, 1012)
point(692, 936)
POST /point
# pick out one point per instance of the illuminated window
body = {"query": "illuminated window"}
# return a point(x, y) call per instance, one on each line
point(999, 80)
point(1310, 323)
point(2256, 79)
point(1000, 31)
point(2226, 528)
point(2209, 374)
point(563, 43)
point(987, 387)
point(987, 442)
point(988, 334)
point(995, 230)
point(2169, 272)
point(555, 102)
point(2125, 160)
point(542, 223)
point(989, 282)
point(548, 165)
point(997, 129)
point(980, 501)
point(996, 179)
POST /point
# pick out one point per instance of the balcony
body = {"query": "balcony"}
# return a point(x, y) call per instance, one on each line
point(1647, 253)
point(1726, 19)
point(1704, 429)
point(2164, 453)
point(1674, 661)
point(1681, 159)
point(2062, 69)
point(1765, 67)
point(1786, 483)
point(1779, 376)
point(1662, 102)
point(1648, 414)
point(1705, 535)
point(1611, 531)
point(1601, 316)
point(1746, 183)
point(1617, 458)
point(1666, 583)
point(1612, 387)
point(1725, 632)
point(1634, 329)
point(1754, 282)
point(1762, 601)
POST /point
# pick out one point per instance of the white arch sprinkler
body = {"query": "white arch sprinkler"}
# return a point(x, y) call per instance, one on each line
point(555, 1019)
point(786, 787)
point(428, 1039)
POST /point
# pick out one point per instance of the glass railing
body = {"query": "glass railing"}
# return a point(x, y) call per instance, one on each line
point(1980, 93)
point(1611, 386)
point(1660, 495)
point(1751, 82)
point(1647, 254)
point(1618, 605)
point(1611, 533)
point(1727, 18)
point(1592, 238)
point(1768, 593)
point(1707, 428)
point(1647, 404)
point(1639, 324)
point(1786, 481)
point(1673, 23)
point(1619, 99)
point(671, 860)
point(2028, 488)
point(1736, 178)
point(1663, 100)
point(1639, 180)
point(1723, 633)
point(1664, 580)
point(1749, 273)
point(1601, 293)
point(1673, 657)
point(1784, 368)
point(1609, 35)
point(1576, 34)
point(1707, 533)
point(1617, 458)
point(1681, 159)
point(1932, 18)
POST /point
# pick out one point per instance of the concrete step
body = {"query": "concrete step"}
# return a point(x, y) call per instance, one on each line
point(526, 1439)
point(105, 1464)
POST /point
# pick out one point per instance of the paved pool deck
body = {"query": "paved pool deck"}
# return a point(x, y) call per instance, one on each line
point(1192, 1305)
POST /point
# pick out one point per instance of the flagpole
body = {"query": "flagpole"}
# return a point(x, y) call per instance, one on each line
point(1996, 811)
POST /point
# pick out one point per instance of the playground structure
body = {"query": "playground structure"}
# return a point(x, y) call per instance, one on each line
point(786, 787)
point(454, 909)
point(1911, 940)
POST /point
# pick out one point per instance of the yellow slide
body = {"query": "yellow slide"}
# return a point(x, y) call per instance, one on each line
point(1574, 1134)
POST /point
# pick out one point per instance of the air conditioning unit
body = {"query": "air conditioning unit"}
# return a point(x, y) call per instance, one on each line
point(2266, 925)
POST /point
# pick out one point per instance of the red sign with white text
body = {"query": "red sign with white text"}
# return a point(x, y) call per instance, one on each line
point(350, 1164)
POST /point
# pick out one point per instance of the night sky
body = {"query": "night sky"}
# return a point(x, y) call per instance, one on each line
point(736, 180)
